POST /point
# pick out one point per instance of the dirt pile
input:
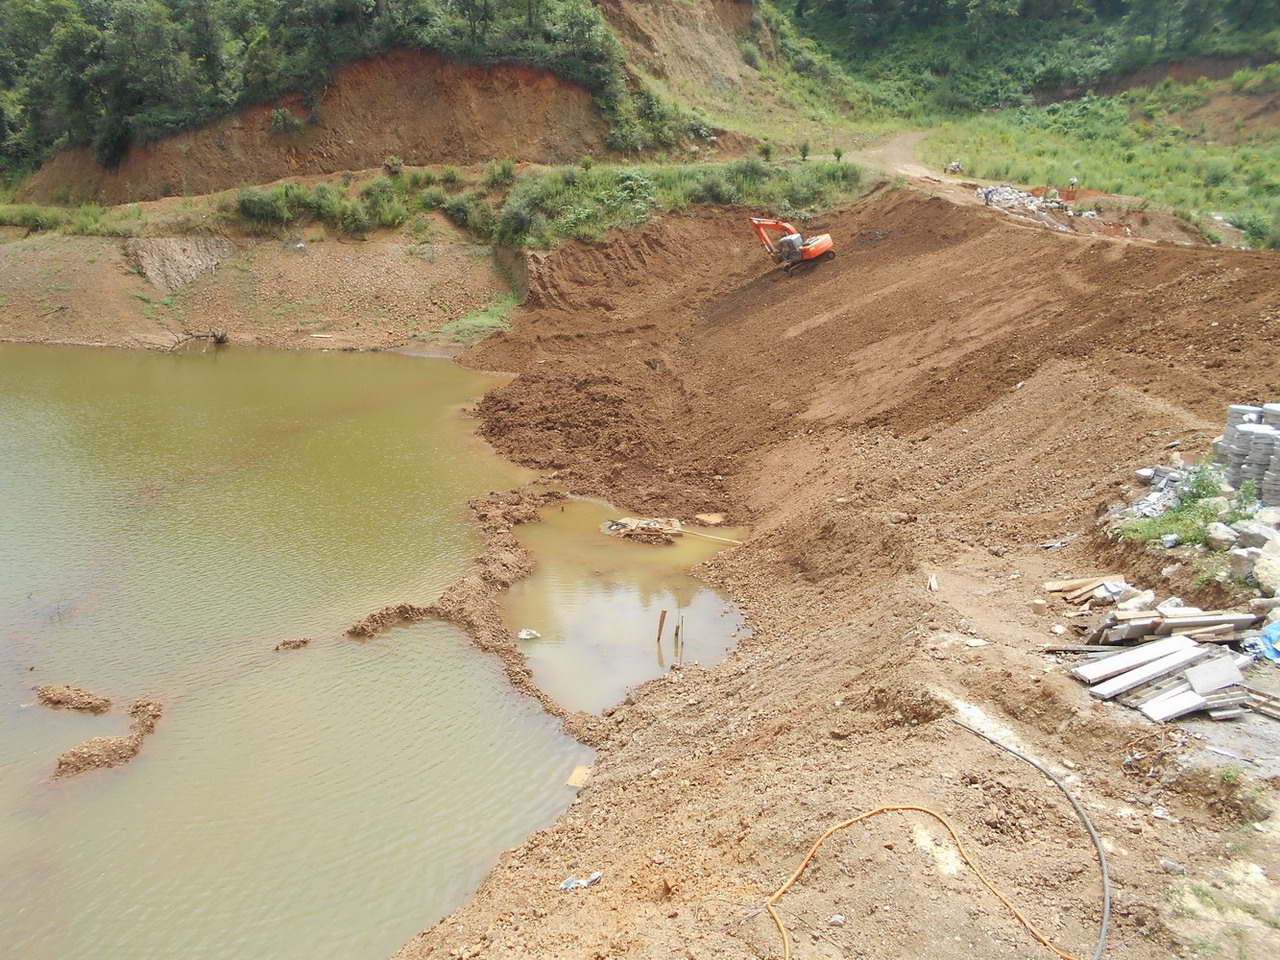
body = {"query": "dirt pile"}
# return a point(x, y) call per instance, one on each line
point(415, 106)
point(59, 696)
point(101, 752)
point(954, 389)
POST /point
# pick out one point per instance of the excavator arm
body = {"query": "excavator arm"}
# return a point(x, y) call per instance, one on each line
point(762, 226)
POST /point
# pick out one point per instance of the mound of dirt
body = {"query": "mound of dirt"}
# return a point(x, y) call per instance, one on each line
point(415, 106)
point(296, 644)
point(100, 752)
point(903, 427)
point(390, 616)
point(62, 697)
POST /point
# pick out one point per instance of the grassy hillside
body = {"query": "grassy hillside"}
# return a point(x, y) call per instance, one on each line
point(1203, 149)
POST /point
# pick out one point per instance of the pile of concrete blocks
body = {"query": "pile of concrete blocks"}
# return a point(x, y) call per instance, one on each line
point(1250, 448)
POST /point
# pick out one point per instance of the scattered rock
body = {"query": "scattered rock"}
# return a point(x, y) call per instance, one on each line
point(1243, 560)
point(1218, 536)
point(1252, 533)
point(1039, 607)
point(1168, 866)
point(297, 644)
point(62, 697)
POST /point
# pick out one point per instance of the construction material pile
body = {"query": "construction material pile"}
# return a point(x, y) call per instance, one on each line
point(1168, 660)
point(1250, 448)
point(1007, 196)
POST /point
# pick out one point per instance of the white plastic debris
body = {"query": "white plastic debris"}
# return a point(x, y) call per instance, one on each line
point(528, 634)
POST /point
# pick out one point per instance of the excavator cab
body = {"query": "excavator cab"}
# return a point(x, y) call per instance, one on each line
point(791, 249)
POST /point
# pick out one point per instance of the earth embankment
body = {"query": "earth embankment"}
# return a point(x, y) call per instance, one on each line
point(902, 427)
point(415, 106)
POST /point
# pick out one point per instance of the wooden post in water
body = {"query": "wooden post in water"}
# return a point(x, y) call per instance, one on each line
point(662, 619)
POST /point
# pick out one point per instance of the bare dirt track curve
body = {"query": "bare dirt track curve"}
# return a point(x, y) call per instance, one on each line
point(954, 388)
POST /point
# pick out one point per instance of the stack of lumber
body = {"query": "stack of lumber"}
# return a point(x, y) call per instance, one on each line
point(1169, 678)
point(1205, 626)
point(1166, 663)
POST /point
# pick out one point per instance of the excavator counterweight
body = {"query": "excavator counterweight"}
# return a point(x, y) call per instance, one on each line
point(791, 249)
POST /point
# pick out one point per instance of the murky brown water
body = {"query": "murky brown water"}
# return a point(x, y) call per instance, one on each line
point(597, 602)
point(164, 522)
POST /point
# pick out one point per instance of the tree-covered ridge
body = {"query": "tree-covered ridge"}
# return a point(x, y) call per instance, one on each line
point(925, 57)
point(114, 72)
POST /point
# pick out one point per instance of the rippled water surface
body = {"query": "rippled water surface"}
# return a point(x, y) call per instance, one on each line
point(165, 521)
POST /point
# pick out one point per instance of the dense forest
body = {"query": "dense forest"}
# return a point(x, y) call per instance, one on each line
point(114, 72)
point(926, 57)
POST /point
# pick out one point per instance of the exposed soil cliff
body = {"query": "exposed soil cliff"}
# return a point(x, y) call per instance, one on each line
point(415, 106)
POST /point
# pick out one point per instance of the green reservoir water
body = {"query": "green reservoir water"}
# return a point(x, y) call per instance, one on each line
point(165, 521)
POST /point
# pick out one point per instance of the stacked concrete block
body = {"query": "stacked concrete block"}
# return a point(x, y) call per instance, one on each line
point(1250, 448)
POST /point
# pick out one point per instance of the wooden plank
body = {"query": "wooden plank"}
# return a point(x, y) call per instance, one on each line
point(1147, 672)
point(1093, 649)
point(1129, 631)
point(579, 776)
point(1167, 708)
point(1067, 586)
point(1125, 615)
point(1227, 713)
point(1084, 593)
point(1151, 693)
point(1109, 667)
point(1179, 624)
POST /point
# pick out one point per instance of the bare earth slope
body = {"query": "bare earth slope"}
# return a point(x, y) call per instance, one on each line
point(953, 389)
point(415, 106)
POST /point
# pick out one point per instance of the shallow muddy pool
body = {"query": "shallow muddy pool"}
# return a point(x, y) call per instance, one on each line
point(166, 520)
point(597, 602)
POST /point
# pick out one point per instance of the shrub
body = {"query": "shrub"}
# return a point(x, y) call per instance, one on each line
point(282, 121)
point(262, 206)
point(433, 198)
point(766, 150)
point(451, 175)
point(804, 149)
point(500, 174)
point(751, 54)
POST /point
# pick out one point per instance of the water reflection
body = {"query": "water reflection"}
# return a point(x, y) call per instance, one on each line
point(597, 602)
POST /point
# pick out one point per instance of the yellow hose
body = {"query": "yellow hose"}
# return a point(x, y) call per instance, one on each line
point(786, 940)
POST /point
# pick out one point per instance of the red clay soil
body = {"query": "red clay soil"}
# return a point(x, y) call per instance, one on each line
point(953, 389)
point(415, 106)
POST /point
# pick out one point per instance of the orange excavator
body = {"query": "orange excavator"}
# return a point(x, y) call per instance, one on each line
point(792, 249)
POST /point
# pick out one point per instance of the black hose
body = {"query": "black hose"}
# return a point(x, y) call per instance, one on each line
point(1088, 825)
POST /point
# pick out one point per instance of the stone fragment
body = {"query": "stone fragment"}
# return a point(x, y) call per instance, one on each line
point(1039, 607)
point(1253, 534)
point(1263, 604)
point(1146, 600)
point(1270, 516)
point(1220, 505)
point(1243, 560)
point(1266, 570)
point(1218, 536)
